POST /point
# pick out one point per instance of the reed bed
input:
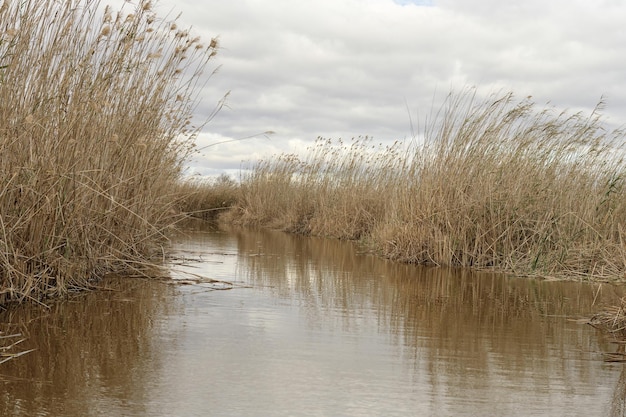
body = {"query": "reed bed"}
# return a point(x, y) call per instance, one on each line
point(206, 198)
point(494, 184)
point(95, 121)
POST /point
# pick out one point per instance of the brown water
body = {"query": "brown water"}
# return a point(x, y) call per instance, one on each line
point(312, 327)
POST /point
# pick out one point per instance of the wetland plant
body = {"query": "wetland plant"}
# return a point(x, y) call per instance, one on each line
point(95, 121)
point(207, 198)
point(492, 183)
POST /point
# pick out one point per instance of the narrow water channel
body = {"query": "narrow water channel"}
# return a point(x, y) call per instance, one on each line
point(263, 323)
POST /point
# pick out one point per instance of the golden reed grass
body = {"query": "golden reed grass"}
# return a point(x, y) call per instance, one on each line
point(95, 121)
point(494, 184)
point(206, 198)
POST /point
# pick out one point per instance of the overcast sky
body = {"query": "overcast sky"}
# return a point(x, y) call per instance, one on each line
point(344, 68)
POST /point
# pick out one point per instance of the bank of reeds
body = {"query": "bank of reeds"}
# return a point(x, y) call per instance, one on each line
point(207, 198)
point(95, 120)
point(493, 184)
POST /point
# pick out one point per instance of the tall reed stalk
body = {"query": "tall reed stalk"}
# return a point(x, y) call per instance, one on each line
point(494, 184)
point(95, 120)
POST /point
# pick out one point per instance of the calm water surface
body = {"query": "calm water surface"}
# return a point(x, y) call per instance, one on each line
point(311, 327)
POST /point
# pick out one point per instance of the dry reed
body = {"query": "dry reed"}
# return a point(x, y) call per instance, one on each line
point(95, 121)
point(206, 198)
point(495, 184)
point(611, 319)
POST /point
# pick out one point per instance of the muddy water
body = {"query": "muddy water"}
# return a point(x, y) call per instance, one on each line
point(266, 324)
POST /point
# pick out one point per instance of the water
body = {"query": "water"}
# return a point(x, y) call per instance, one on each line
point(267, 324)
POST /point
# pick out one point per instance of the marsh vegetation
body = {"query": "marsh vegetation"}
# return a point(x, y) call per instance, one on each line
point(493, 184)
point(95, 120)
point(207, 198)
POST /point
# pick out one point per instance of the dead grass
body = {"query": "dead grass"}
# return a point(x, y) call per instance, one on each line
point(612, 319)
point(207, 198)
point(95, 120)
point(495, 184)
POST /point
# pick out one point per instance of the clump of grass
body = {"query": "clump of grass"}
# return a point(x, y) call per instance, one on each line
point(495, 184)
point(612, 320)
point(95, 121)
point(207, 198)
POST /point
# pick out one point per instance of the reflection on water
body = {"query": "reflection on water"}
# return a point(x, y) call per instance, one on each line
point(95, 354)
point(313, 327)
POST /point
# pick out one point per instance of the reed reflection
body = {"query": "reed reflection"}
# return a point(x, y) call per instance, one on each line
point(94, 354)
point(465, 328)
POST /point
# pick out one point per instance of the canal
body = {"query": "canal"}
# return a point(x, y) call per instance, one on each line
point(261, 323)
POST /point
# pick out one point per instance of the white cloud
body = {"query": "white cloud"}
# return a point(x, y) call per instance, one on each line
point(343, 68)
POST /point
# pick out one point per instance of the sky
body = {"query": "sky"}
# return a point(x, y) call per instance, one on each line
point(349, 68)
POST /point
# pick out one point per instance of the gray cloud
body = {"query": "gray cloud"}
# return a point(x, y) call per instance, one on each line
point(342, 68)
